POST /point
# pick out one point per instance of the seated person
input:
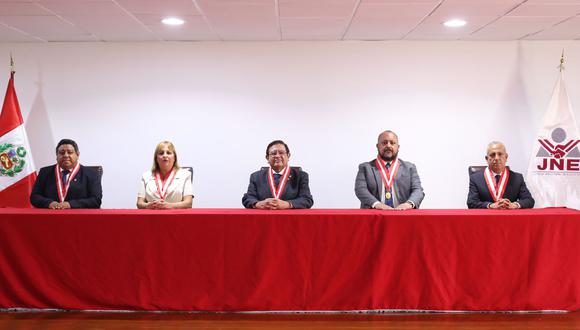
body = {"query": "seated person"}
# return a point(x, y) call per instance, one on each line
point(388, 182)
point(498, 187)
point(67, 184)
point(279, 186)
point(165, 186)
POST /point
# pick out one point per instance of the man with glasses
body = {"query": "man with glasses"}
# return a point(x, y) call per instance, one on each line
point(278, 186)
point(67, 184)
point(388, 182)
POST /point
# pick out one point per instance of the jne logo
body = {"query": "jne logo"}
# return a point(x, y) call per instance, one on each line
point(558, 154)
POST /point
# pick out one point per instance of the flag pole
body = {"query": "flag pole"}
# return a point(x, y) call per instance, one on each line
point(11, 63)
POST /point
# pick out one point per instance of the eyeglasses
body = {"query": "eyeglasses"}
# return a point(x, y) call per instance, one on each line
point(274, 153)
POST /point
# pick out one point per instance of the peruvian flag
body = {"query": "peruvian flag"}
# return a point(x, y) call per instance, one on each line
point(17, 173)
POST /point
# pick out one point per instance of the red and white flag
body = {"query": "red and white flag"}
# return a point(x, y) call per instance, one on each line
point(554, 168)
point(17, 172)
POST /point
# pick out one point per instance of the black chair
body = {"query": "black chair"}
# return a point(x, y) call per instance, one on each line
point(296, 167)
point(190, 169)
point(97, 168)
point(473, 169)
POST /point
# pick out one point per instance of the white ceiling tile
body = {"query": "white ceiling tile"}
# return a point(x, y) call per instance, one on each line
point(569, 29)
point(466, 9)
point(234, 28)
point(379, 20)
point(553, 2)
point(433, 28)
point(194, 29)
point(312, 28)
point(321, 8)
point(41, 25)
point(21, 9)
point(237, 8)
point(113, 27)
point(164, 8)
point(83, 8)
point(538, 10)
point(379, 29)
point(513, 27)
point(393, 10)
point(85, 37)
point(401, 2)
point(10, 35)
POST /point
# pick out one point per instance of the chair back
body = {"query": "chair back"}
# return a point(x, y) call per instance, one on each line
point(473, 169)
point(190, 169)
point(97, 168)
point(299, 168)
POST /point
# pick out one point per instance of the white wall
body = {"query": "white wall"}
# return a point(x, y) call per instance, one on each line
point(222, 102)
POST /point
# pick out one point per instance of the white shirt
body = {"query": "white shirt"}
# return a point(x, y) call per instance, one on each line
point(179, 187)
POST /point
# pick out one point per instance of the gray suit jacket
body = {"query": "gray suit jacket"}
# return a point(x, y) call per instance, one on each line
point(368, 184)
point(296, 192)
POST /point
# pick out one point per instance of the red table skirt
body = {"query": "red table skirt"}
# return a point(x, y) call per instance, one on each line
point(295, 260)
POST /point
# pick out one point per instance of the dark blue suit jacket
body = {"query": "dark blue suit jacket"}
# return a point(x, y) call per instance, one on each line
point(479, 196)
point(84, 192)
point(296, 192)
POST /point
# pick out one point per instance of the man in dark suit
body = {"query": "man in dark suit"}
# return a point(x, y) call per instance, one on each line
point(67, 184)
point(387, 182)
point(498, 187)
point(279, 186)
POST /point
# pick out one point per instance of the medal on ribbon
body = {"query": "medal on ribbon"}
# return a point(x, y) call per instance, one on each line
point(162, 185)
point(277, 192)
point(496, 189)
point(388, 175)
point(63, 189)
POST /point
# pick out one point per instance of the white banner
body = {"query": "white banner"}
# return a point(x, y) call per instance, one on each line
point(554, 169)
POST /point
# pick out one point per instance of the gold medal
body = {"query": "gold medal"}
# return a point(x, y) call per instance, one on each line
point(388, 195)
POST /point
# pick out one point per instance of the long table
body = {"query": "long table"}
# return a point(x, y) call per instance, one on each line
point(294, 260)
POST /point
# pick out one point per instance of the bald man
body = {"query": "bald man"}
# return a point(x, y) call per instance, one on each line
point(387, 182)
point(498, 187)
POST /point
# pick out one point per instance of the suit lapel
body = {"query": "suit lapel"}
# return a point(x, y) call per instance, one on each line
point(378, 179)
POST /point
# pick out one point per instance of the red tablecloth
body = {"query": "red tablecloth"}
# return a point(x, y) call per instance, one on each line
point(246, 260)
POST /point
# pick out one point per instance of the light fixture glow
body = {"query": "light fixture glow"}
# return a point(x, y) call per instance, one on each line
point(454, 23)
point(172, 21)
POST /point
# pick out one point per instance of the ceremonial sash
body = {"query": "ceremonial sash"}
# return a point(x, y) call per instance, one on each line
point(388, 175)
point(496, 190)
point(63, 190)
point(283, 180)
point(162, 185)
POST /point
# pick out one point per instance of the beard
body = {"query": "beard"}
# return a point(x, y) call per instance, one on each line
point(387, 158)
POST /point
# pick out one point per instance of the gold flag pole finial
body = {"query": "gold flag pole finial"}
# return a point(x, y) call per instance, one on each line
point(561, 66)
point(11, 63)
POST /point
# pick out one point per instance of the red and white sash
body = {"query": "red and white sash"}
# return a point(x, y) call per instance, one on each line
point(496, 190)
point(281, 185)
point(63, 190)
point(162, 185)
point(388, 176)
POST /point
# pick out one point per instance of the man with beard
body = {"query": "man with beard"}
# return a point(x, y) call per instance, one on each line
point(387, 182)
point(498, 187)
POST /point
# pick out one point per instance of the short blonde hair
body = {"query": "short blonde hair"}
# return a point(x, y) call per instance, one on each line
point(160, 145)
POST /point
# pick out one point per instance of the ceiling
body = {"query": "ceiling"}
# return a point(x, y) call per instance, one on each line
point(274, 20)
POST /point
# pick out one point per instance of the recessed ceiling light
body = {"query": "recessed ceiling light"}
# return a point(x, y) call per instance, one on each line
point(454, 23)
point(172, 21)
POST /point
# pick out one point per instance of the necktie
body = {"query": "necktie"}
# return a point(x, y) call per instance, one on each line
point(389, 201)
point(65, 174)
point(277, 179)
point(497, 179)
